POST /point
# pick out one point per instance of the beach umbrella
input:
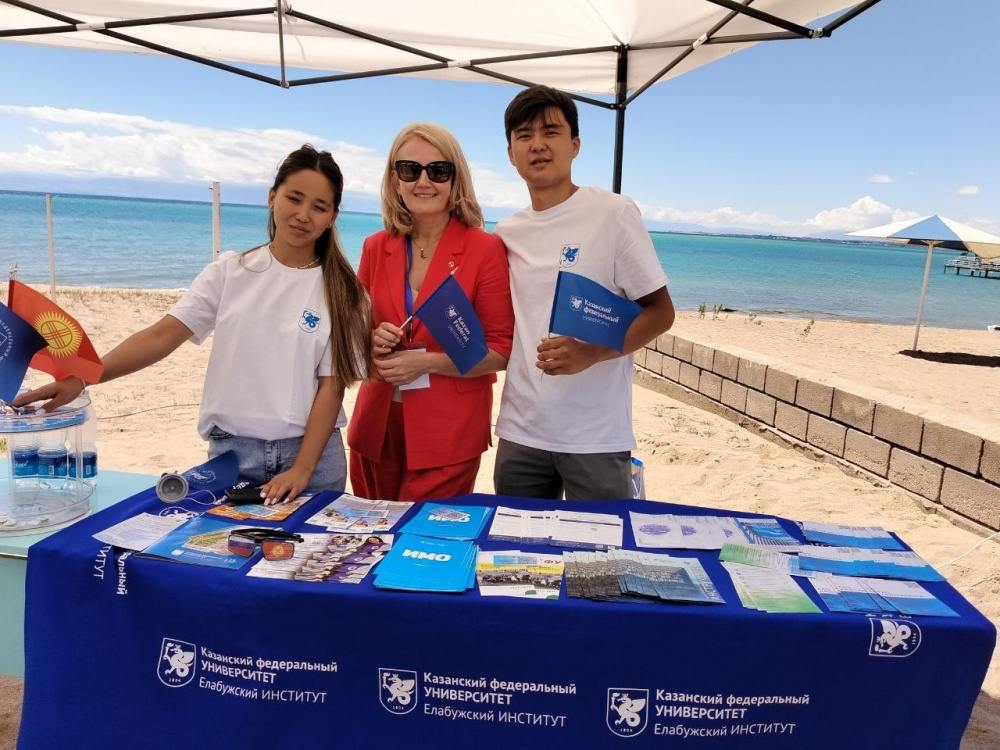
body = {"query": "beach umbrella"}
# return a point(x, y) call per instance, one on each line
point(935, 231)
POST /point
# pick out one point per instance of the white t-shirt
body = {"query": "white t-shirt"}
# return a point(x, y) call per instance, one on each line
point(599, 235)
point(272, 340)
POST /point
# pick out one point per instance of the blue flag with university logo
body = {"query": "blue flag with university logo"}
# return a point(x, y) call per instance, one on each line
point(18, 343)
point(587, 311)
point(453, 323)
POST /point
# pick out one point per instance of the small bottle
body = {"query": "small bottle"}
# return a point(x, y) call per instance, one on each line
point(24, 454)
point(52, 459)
point(88, 449)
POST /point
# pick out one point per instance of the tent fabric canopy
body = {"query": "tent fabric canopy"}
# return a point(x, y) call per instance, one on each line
point(445, 30)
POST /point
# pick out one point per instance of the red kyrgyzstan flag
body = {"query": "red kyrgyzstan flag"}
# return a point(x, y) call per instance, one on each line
point(68, 351)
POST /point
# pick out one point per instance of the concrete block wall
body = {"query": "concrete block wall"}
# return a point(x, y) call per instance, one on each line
point(948, 464)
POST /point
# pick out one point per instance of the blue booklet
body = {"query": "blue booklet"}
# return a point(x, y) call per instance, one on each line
point(841, 535)
point(859, 561)
point(200, 541)
point(417, 563)
point(445, 521)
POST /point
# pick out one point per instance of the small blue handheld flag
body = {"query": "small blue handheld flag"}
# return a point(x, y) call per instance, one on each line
point(453, 322)
point(587, 311)
point(18, 343)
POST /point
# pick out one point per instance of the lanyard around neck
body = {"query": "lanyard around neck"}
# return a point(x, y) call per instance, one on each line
point(408, 290)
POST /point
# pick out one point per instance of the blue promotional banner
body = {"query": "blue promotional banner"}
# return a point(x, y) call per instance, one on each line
point(453, 322)
point(587, 311)
point(18, 344)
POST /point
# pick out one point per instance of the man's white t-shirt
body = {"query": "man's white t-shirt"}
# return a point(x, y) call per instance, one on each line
point(272, 341)
point(599, 235)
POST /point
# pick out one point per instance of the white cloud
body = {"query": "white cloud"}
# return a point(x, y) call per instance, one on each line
point(880, 179)
point(88, 144)
point(720, 218)
point(83, 143)
point(987, 225)
point(497, 191)
point(969, 190)
point(864, 212)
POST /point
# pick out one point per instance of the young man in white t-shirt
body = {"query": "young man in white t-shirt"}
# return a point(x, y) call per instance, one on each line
point(565, 423)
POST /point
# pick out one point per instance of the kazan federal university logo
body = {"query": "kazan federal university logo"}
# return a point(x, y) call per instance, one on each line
point(176, 666)
point(627, 711)
point(397, 690)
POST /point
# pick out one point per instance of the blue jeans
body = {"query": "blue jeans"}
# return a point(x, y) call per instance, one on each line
point(260, 460)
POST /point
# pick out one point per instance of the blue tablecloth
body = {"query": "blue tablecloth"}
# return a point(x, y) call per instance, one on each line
point(279, 664)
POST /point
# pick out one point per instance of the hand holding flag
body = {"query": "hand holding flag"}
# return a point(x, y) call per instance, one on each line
point(453, 323)
point(587, 311)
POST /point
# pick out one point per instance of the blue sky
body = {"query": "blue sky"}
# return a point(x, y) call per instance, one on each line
point(893, 116)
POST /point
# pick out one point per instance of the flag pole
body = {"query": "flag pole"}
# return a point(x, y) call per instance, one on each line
point(11, 278)
point(52, 246)
point(429, 296)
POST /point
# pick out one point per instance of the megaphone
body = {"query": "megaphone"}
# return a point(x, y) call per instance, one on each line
point(172, 487)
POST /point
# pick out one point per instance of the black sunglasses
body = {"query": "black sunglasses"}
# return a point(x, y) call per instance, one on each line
point(437, 171)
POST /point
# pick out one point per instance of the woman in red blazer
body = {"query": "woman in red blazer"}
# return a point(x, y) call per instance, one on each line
point(419, 428)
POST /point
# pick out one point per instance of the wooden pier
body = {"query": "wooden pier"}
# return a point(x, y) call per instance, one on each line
point(975, 265)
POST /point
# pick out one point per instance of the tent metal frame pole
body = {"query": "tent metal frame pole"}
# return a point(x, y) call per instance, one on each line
point(151, 45)
point(703, 39)
point(621, 103)
point(280, 7)
point(733, 39)
point(848, 15)
point(442, 62)
point(803, 31)
point(122, 24)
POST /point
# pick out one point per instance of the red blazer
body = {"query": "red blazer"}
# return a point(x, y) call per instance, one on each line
point(450, 421)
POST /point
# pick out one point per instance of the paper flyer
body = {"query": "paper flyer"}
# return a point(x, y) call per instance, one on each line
point(358, 515)
point(559, 528)
point(670, 531)
point(769, 590)
point(328, 558)
point(631, 576)
point(140, 531)
point(524, 575)
point(259, 511)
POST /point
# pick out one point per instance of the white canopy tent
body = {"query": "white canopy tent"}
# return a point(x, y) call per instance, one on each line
point(614, 49)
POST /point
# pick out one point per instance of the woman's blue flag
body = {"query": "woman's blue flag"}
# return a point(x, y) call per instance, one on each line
point(18, 343)
point(453, 323)
point(587, 311)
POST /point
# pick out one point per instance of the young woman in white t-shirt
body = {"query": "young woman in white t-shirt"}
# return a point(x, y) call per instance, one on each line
point(292, 331)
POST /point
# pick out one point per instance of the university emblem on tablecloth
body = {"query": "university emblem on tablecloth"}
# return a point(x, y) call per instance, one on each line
point(397, 690)
point(894, 637)
point(177, 665)
point(628, 711)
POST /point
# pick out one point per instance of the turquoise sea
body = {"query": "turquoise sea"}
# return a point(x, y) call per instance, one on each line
point(126, 242)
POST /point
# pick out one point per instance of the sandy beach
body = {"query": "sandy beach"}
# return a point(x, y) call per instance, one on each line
point(147, 424)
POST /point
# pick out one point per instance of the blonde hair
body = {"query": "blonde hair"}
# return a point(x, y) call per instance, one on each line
point(462, 202)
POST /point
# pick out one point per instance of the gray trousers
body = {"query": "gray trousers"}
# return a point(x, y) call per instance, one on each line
point(521, 471)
